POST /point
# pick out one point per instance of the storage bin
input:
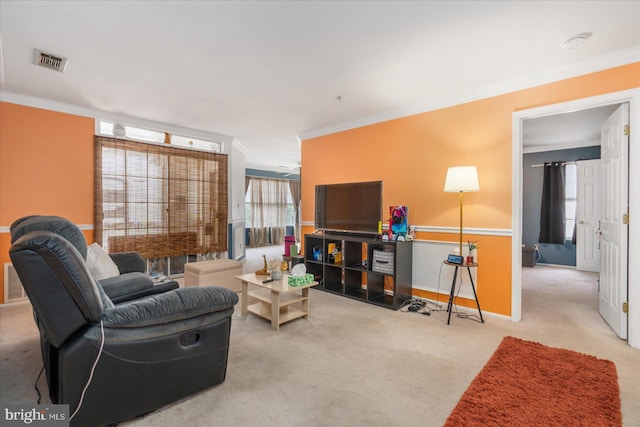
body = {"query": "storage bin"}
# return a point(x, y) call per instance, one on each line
point(382, 262)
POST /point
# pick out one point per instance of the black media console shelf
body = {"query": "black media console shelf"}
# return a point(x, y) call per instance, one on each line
point(385, 282)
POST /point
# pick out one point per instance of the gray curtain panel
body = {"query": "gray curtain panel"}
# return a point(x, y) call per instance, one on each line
point(296, 195)
point(553, 202)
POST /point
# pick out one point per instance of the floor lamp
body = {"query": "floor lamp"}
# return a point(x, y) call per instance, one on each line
point(461, 179)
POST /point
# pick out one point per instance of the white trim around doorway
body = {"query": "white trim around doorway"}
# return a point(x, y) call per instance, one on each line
point(633, 98)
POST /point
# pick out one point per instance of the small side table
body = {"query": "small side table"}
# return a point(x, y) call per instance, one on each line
point(453, 288)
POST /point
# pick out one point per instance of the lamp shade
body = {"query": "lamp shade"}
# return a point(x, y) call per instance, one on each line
point(462, 179)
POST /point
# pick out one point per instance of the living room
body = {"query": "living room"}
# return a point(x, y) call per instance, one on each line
point(47, 159)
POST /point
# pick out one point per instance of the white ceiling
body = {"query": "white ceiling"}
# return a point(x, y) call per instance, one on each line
point(568, 130)
point(265, 72)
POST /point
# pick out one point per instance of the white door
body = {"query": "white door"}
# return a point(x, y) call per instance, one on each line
point(614, 231)
point(588, 215)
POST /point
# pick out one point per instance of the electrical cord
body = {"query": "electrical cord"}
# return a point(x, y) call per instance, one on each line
point(474, 317)
point(415, 305)
point(93, 368)
point(36, 385)
point(460, 314)
point(437, 306)
point(454, 306)
point(427, 305)
point(422, 306)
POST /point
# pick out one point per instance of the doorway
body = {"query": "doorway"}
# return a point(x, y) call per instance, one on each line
point(568, 141)
point(633, 98)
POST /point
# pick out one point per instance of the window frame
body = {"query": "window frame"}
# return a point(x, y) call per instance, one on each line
point(570, 199)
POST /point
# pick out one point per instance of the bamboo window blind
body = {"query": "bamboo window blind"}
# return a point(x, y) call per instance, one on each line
point(159, 200)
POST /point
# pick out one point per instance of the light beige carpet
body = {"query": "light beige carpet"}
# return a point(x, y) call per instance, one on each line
point(356, 364)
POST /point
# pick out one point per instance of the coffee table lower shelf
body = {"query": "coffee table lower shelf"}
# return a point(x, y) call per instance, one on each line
point(286, 312)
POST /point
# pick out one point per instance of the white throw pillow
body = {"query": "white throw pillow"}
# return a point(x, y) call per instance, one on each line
point(100, 263)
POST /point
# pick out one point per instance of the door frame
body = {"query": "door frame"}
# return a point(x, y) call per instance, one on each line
point(632, 97)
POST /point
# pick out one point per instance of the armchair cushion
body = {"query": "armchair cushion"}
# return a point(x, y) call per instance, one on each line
point(132, 286)
point(180, 304)
point(100, 263)
point(125, 284)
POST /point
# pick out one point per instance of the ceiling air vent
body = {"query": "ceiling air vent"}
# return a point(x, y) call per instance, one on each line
point(51, 61)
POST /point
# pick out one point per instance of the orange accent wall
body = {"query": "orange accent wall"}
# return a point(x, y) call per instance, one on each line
point(46, 167)
point(411, 155)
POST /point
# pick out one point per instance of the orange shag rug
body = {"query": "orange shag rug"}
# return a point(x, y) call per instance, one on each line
point(529, 384)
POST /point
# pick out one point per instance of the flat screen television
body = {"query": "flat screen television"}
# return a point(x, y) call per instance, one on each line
point(351, 207)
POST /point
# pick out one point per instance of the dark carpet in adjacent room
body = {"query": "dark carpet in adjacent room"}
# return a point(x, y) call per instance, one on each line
point(526, 383)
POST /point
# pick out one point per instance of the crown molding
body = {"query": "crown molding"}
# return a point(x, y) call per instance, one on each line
point(240, 146)
point(611, 60)
point(46, 104)
point(61, 107)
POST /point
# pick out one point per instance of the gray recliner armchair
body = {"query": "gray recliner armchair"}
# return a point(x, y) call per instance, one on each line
point(132, 282)
point(143, 353)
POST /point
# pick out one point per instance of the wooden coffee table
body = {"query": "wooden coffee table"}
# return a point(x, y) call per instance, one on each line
point(277, 301)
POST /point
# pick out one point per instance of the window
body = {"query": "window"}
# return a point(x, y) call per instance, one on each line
point(167, 203)
point(183, 141)
point(570, 200)
point(269, 210)
point(146, 135)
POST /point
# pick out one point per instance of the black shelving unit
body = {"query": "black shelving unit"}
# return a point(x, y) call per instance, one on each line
point(353, 276)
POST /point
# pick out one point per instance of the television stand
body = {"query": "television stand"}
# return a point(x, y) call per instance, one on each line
point(370, 270)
